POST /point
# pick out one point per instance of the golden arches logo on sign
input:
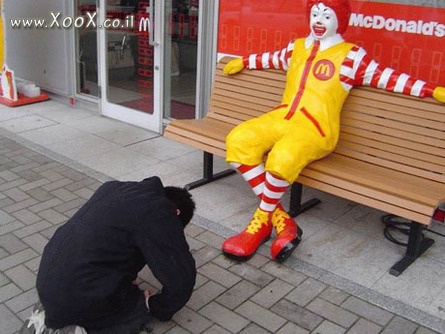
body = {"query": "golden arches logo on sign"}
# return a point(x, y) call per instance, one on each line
point(324, 69)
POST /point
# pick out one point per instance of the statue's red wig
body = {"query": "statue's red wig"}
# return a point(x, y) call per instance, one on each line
point(341, 8)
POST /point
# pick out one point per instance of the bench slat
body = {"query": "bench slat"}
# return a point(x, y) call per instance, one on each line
point(363, 199)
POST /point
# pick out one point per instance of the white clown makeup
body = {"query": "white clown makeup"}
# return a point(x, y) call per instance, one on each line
point(323, 22)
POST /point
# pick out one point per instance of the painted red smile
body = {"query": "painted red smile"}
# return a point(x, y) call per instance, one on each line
point(318, 30)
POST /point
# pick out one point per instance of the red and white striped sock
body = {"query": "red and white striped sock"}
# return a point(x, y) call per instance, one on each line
point(274, 189)
point(253, 175)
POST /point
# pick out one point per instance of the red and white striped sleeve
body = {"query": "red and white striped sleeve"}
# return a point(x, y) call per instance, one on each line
point(359, 69)
point(278, 60)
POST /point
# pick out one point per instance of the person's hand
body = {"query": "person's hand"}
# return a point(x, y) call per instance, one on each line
point(233, 66)
point(438, 93)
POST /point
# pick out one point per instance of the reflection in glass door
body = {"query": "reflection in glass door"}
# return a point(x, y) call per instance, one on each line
point(180, 58)
point(86, 52)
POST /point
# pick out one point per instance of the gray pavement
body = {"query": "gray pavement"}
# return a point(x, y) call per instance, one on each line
point(53, 157)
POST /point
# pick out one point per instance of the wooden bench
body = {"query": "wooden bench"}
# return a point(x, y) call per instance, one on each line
point(390, 156)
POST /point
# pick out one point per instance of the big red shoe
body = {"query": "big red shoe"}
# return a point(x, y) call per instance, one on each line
point(243, 245)
point(288, 234)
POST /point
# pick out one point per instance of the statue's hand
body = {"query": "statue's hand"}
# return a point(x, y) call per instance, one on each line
point(439, 94)
point(233, 66)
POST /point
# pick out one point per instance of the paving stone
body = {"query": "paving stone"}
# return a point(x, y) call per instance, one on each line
point(291, 328)
point(423, 330)
point(224, 317)
point(290, 276)
point(332, 312)
point(31, 229)
point(50, 187)
point(28, 174)
point(82, 183)
point(7, 228)
point(219, 275)
point(9, 291)
point(211, 239)
point(84, 193)
point(205, 294)
point(327, 327)
point(22, 301)
point(52, 216)
point(191, 320)
point(7, 175)
point(5, 218)
point(194, 244)
point(36, 241)
point(254, 329)
point(40, 194)
point(46, 205)
point(367, 310)
point(4, 280)
point(334, 295)
point(26, 216)
point(12, 184)
point(49, 174)
point(9, 323)
point(237, 294)
point(193, 230)
point(64, 195)
point(399, 325)
point(364, 326)
point(11, 243)
point(35, 184)
point(205, 255)
point(297, 314)
point(16, 259)
point(22, 276)
point(306, 292)
point(215, 329)
point(16, 194)
point(272, 293)
point(20, 205)
point(261, 316)
point(33, 264)
point(255, 275)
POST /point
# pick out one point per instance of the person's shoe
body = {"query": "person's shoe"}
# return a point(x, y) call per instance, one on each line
point(288, 234)
point(243, 245)
point(35, 324)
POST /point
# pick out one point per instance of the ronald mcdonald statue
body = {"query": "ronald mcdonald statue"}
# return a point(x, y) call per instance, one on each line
point(321, 70)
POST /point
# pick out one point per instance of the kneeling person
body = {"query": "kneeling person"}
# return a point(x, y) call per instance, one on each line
point(89, 267)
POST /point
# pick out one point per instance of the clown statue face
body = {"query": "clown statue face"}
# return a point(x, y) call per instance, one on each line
point(327, 17)
point(323, 21)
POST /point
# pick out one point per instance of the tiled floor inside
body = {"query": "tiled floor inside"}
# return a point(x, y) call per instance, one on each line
point(343, 252)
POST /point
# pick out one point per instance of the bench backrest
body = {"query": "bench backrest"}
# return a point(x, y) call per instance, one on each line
point(386, 129)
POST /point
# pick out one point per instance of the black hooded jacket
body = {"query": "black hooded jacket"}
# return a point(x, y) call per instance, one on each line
point(87, 268)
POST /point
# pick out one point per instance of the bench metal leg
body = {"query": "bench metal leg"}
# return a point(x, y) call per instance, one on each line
point(417, 245)
point(208, 175)
point(295, 206)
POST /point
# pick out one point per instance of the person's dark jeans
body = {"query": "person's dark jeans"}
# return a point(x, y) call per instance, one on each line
point(133, 323)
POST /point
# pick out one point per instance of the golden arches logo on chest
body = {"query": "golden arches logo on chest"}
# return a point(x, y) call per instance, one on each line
point(324, 69)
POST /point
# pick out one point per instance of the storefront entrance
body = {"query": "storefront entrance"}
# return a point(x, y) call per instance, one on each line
point(145, 68)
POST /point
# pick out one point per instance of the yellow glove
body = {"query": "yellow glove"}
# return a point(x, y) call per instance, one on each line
point(233, 66)
point(438, 93)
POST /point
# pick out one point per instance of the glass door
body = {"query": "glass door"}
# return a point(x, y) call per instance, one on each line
point(148, 60)
point(130, 62)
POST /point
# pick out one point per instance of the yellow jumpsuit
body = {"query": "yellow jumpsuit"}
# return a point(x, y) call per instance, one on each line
point(305, 127)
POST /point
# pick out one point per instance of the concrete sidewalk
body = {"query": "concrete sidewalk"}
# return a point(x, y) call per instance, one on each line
point(52, 158)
